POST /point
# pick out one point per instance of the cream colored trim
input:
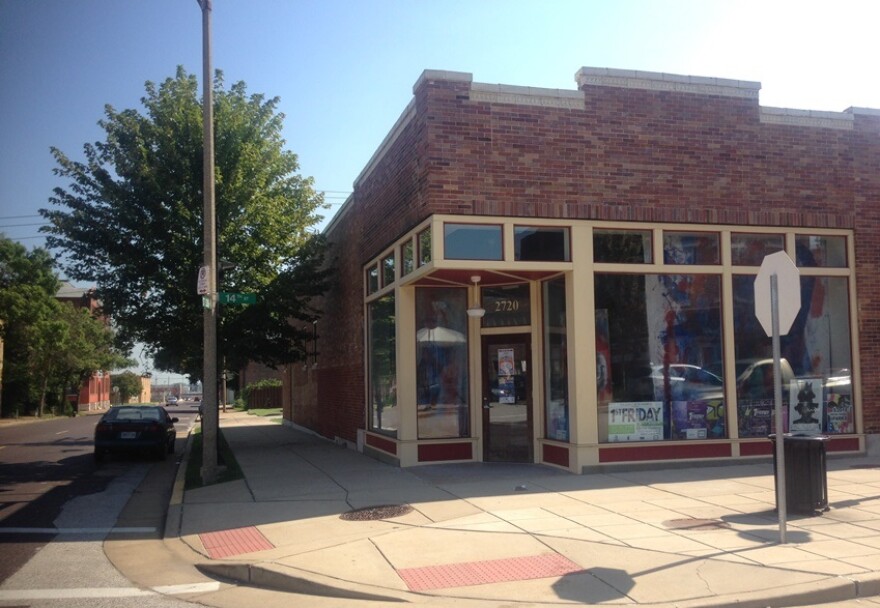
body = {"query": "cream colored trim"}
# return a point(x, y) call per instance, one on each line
point(527, 96)
point(656, 81)
point(807, 118)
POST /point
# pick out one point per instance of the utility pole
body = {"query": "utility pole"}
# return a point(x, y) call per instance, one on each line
point(210, 411)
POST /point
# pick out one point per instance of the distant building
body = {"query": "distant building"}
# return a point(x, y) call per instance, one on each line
point(567, 276)
point(94, 394)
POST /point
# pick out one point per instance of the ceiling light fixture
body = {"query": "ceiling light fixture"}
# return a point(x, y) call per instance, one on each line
point(476, 310)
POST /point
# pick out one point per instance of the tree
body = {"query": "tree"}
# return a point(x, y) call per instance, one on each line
point(131, 221)
point(126, 385)
point(27, 306)
point(49, 346)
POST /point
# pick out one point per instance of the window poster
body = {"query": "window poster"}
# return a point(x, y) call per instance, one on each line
point(806, 407)
point(756, 417)
point(603, 356)
point(689, 419)
point(839, 414)
point(635, 421)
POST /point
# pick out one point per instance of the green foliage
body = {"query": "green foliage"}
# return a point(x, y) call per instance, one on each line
point(131, 221)
point(128, 384)
point(266, 383)
point(49, 346)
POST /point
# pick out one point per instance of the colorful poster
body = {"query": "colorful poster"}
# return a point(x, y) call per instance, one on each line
point(806, 406)
point(839, 414)
point(506, 369)
point(690, 420)
point(636, 421)
point(756, 418)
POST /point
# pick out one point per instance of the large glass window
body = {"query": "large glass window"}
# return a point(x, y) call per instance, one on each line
point(472, 242)
point(442, 362)
point(622, 246)
point(382, 363)
point(661, 334)
point(815, 362)
point(541, 244)
point(556, 360)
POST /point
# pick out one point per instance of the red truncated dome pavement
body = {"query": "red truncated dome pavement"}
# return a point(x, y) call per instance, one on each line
point(490, 571)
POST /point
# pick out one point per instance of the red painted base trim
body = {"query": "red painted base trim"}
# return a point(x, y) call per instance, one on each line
point(555, 454)
point(673, 451)
point(381, 443)
point(435, 452)
point(765, 447)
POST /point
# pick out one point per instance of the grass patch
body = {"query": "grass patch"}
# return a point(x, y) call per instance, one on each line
point(224, 457)
point(266, 411)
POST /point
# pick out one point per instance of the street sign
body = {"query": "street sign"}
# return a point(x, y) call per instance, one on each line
point(202, 284)
point(788, 281)
point(237, 298)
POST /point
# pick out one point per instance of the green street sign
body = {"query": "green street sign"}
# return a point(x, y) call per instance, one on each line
point(237, 298)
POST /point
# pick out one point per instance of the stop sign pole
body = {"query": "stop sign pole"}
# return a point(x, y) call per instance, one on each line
point(777, 269)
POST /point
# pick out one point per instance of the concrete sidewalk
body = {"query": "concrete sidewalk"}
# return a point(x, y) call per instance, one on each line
point(492, 535)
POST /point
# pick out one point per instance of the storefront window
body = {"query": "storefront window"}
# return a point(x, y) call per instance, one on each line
point(507, 305)
point(382, 363)
point(541, 244)
point(662, 336)
point(751, 249)
point(442, 363)
point(407, 258)
point(388, 270)
point(815, 362)
point(691, 247)
point(556, 360)
point(425, 247)
point(472, 242)
point(622, 246)
point(372, 279)
point(820, 251)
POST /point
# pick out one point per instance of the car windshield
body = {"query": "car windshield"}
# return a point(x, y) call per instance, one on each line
point(134, 413)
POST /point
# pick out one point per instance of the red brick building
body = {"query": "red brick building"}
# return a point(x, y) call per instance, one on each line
point(94, 394)
point(567, 276)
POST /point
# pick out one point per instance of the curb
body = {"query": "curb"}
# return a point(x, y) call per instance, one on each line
point(174, 516)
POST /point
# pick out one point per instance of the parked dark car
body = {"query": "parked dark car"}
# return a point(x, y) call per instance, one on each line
point(135, 428)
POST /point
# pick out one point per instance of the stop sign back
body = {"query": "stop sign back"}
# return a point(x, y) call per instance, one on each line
point(788, 283)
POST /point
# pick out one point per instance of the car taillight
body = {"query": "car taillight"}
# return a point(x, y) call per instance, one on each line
point(154, 428)
point(102, 427)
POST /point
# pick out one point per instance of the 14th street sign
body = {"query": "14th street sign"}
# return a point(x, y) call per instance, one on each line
point(237, 298)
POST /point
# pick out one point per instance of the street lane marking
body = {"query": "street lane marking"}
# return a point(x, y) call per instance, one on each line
point(144, 530)
point(188, 588)
point(17, 595)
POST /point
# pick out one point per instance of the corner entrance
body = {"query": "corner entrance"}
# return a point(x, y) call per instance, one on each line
point(507, 398)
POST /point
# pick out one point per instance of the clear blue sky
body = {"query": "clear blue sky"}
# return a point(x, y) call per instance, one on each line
point(344, 70)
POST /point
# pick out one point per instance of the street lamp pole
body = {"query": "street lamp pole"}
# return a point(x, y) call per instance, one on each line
point(210, 411)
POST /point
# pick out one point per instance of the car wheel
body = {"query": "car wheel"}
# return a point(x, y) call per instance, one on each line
point(99, 456)
point(160, 452)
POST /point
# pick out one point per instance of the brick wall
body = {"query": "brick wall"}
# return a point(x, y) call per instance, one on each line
point(624, 155)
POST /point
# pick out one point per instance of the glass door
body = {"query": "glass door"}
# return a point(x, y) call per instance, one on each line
point(507, 398)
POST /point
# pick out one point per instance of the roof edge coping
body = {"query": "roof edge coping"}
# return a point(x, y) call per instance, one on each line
point(659, 81)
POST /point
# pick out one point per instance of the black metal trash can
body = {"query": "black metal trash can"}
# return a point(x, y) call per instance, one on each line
point(806, 472)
